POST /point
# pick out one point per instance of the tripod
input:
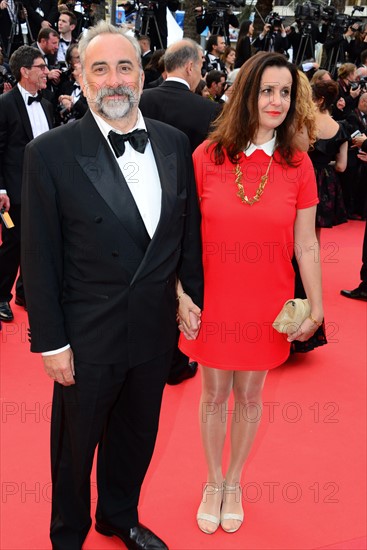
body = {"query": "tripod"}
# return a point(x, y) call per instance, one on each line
point(146, 21)
point(306, 41)
point(218, 25)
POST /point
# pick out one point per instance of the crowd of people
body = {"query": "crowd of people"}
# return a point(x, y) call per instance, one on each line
point(120, 235)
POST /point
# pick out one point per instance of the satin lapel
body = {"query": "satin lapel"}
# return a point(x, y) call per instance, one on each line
point(47, 107)
point(23, 113)
point(167, 168)
point(100, 166)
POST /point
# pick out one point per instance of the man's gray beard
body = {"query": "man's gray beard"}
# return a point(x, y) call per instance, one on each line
point(115, 109)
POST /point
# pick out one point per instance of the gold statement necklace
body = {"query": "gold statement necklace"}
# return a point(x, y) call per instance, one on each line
point(260, 190)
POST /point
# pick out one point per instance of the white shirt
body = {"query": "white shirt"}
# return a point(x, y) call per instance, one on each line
point(177, 79)
point(37, 116)
point(141, 175)
point(267, 147)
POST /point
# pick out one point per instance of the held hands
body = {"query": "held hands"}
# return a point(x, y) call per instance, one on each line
point(4, 202)
point(60, 367)
point(188, 316)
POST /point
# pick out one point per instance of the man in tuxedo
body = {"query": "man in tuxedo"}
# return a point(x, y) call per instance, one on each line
point(23, 116)
point(360, 293)
point(65, 25)
point(41, 14)
point(174, 103)
point(110, 228)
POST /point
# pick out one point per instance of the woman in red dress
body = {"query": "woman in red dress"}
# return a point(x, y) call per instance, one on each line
point(258, 200)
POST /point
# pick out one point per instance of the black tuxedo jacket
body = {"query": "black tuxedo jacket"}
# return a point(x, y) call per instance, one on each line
point(49, 8)
point(174, 104)
point(15, 133)
point(93, 277)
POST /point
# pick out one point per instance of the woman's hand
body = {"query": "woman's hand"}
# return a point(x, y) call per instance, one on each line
point(188, 316)
point(304, 331)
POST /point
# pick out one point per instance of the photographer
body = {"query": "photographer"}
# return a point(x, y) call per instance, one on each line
point(12, 15)
point(349, 90)
point(358, 45)
point(7, 81)
point(338, 45)
point(273, 37)
point(217, 18)
point(302, 37)
point(72, 103)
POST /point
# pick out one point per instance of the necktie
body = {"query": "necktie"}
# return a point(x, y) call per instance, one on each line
point(62, 41)
point(38, 97)
point(138, 139)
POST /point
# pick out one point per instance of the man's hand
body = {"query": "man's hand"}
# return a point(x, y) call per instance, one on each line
point(54, 75)
point(362, 156)
point(358, 140)
point(60, 367)
point(45, 24)
point(4, 202)
point(266, 28)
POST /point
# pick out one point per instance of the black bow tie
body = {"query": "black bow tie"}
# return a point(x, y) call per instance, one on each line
point(138, 139)
point(38, 97)
point(64, 41)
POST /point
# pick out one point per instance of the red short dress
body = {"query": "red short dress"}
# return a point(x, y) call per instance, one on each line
point(247, 252)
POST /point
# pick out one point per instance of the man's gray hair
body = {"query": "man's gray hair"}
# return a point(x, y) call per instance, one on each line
point(177, 57)
point(105, 28)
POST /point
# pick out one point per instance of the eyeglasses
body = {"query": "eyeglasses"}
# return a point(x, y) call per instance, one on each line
point(42, 67)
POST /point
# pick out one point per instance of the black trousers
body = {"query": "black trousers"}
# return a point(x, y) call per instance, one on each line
point(116, 408)
point(10, 255)
point(363, 284)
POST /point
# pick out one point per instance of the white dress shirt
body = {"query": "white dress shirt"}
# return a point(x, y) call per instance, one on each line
point(36, 114)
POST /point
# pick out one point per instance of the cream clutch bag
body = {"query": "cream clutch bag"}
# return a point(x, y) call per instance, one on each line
point(292, 315)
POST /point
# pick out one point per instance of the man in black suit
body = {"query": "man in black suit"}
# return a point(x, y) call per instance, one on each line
point(174, 102)
point(23, 116)
point(41, 14)
point(108, 233)
point(360, 293)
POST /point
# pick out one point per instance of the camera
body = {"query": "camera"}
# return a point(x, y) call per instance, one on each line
point(309, 11)
point(61, 66)
point(362, 83)
point(6, 77)
point(274, 20)
point(226, 4)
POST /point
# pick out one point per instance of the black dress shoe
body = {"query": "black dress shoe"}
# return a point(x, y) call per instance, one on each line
point(6, 313)
point(356, 294)
point(186, 373)
point(136, 538)
point(20, 302)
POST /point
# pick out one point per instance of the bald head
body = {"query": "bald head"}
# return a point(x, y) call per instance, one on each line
point(179, 53)
point(184, 60)
point(362, 103)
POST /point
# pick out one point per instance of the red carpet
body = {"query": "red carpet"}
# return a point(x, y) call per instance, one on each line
point(304, 486)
